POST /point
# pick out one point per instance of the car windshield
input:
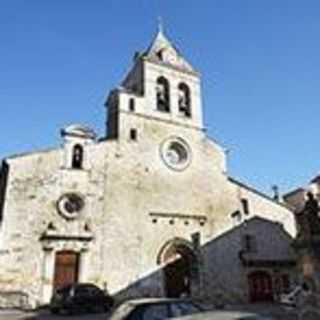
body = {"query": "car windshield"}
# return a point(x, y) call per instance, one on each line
point(255, 318)
point(184, 308)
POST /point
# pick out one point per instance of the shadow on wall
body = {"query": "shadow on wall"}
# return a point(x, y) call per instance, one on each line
point(228, 269)
point(217, 272)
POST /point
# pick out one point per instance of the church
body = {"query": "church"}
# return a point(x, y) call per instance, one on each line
point(149, 209)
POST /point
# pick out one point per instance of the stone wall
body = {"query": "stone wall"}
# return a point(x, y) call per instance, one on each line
point(14, 300)
point(134, 204)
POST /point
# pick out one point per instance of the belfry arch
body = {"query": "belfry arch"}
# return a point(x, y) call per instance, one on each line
point(180, 267)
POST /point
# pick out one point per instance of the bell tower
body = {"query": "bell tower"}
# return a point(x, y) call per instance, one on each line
point(161, 86)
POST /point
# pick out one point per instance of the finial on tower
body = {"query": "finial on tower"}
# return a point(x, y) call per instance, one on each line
point(160, 25)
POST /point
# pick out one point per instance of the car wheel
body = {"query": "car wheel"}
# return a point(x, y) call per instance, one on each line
point(98, 308)
point(74, 310)
point(54, 310)
point(67, 311)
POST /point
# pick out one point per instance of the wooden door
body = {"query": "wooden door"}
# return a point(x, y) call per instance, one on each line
point(66, 268)
point(260, 287)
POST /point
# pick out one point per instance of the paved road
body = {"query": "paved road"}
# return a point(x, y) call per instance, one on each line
point(278, 312)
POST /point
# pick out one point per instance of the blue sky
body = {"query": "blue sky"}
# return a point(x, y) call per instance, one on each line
point(259, 61)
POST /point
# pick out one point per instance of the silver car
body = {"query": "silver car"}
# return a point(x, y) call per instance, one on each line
point(154, 309)
point(224, 315)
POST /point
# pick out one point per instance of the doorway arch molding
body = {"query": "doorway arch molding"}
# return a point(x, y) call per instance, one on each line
point(176, 243)
point(179, 261)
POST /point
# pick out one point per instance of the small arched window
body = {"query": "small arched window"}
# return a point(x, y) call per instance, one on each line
point(77, 157)
point(184, 101)
point(132, 106)
point(163, 94)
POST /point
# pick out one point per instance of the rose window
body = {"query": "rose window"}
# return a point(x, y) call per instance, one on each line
point(176, 153)
point(69, 205)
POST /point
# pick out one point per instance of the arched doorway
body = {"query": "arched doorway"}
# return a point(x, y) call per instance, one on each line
point(179, 263)
point(260, 287)
point(66, 268)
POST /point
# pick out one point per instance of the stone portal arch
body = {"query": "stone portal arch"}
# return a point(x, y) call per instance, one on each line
point(180, 267)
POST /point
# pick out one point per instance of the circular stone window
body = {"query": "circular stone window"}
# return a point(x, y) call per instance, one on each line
point(176, 153)
point(69, 205)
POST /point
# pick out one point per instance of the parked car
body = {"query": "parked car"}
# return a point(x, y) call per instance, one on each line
point(79, 298)
point(154, 309)
point(224, 315)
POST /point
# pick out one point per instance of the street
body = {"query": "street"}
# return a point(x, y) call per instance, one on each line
point(278, 313)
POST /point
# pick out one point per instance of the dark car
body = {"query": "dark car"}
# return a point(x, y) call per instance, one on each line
point(154, 309)
point(82, 297)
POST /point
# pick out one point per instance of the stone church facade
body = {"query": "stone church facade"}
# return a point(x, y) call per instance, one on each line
point(147, 210)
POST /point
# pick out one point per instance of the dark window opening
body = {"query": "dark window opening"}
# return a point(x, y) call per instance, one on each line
point(132, 106)
point(163, 95)
point(77, 157)
point(249, 243)
point(236, 216)
point(184, 101)
point(133, 134)
point(160, 54)
point(245, 206)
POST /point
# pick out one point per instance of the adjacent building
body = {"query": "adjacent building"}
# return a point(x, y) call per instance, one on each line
point(148, 209)
point(305, 203)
